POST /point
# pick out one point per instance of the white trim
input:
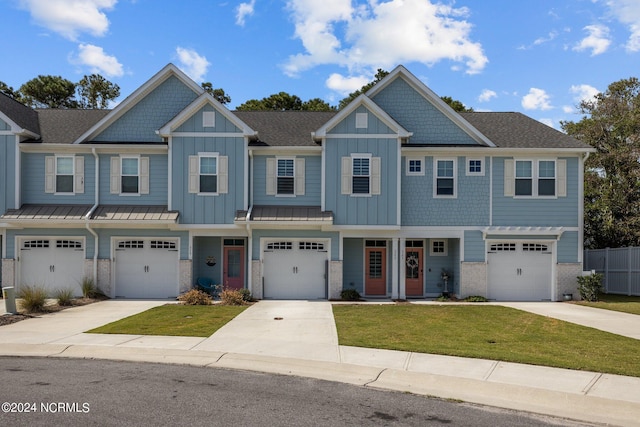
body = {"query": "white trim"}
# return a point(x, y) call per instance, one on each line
point(215, 155)
point(454, 177)
point(408, 161)
point(445, 247)
point(468, 166)
point(206, 134)
point(170, 173)
point(363, 136)
point(535, 177)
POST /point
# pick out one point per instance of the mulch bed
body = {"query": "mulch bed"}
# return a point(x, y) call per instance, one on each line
point(8, 319)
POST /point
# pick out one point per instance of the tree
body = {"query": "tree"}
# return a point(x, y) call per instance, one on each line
point(95, 92)
point(284, 102)
point(49, 92)
point(456, 105)
point(218, 94)
point(317, 104)
point(612, 179)
point(380, 74)
point(8, 90)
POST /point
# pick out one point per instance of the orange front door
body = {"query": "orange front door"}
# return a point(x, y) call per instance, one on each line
point(233, 267)
point(375, 271)
point(413, 272)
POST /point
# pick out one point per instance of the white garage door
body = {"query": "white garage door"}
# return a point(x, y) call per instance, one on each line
point(146, 268)
point(295, 269)
point(53, 264)
point(519, 271)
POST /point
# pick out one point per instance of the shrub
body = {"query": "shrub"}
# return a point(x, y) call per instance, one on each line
point(232, 297)
point(590, 286)
point(64, 296)
point(33, 298)
point(246, 294)
point(195, 297)
point(475, 298)
point(350, 295)
point(88, 288)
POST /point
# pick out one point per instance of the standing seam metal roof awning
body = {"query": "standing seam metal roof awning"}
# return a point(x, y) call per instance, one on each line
point(284, 214)
point(77, 213)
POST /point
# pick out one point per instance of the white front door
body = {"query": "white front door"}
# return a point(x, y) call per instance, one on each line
point(295, 269)
point(519, 271)
point(53, 264)
point(146, 268)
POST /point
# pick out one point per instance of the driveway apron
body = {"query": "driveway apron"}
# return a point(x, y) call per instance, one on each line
point(295, 329)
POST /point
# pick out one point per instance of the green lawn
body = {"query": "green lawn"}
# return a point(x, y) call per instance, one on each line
point(616, 302)
point(174, 320)
point(488, 332)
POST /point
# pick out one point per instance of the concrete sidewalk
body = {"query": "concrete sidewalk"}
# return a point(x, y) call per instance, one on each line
point(299, 338)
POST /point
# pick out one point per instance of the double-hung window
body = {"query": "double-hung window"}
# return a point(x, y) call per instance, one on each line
point(361, 175)
point(445, 178)
point(524, 178)
point(546, 178)
point(208, 174)
point(130, 175)
point(64, 175)
point(535, 178)
point(285, 177)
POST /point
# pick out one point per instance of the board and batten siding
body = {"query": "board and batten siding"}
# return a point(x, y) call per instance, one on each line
point(157, 182)
point(194, 123)
point(157, 108)
point(470, 207)
point(416, 114)
point(379, 209)
point(348, 126)
point(33, 182)
point(534, 211)
point(7, 171)
point(312, 179)
point(207, 209)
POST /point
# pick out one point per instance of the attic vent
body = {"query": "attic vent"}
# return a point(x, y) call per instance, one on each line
point(209, 119)
point(362, 120)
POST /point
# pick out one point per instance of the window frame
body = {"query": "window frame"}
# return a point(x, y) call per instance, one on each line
point(536, 178)
point(436, 177)
point(122, 175)
point(293, 176)
point(200, 174)
point(72, 175)
point(434, 252)
point(355, 157)
point(468, 169)
point(408, 171)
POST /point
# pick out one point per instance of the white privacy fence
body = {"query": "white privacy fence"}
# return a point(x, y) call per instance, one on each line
point(620, 268)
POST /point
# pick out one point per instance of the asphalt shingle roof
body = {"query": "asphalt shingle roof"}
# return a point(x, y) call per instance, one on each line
point(20, 114)
point(65, 126)
point(515, 130)
point(284, 128)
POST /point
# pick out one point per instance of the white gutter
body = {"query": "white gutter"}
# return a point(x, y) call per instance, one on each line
point(87, 217)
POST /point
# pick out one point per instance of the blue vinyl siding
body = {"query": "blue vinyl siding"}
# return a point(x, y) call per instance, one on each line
point(4, 125)
point(435, 264)
point(150, 114)
point(568, 247)
point(33, 182)
point(311, 197)
point(474, 246)
point(194, 123)
point(157, 182)
point(197, 209)
point(469, 208)
point(353, 265)
point(416, 114)
point(554, 212)
point(374, 125)
point(7, 172)
point(376, 209)
point(296, 234)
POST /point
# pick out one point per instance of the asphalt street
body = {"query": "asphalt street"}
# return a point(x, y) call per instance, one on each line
point(37, 391)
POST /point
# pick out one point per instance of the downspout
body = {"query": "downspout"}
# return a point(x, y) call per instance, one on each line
point(90, 214)
point(249, 249)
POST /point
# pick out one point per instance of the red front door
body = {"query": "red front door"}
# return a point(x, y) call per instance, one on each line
point(233, 267)
point(413, 272)
point(375, 271)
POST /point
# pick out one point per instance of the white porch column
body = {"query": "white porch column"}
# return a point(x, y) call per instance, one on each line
point(394, 268)
point(403, 270)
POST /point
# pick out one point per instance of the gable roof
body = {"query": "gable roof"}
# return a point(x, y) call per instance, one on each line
point(363, 100)
point(196, 105)
point(432, 98)
point(284, 128)
point(65, 126)
point(515, 130)
point(130, 101)
point(21, 118)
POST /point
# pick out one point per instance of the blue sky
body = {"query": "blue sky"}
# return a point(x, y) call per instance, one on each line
point(539, 57)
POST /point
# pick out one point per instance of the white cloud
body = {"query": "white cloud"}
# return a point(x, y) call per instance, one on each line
point(377, 34)
point(193, 64)
point(346, 85)
point(548, 122)
point(486, 95)
point(598, 40)
point(568, 109)
point(552, 35)
point(244, 10)
point(69, 18)
point(583, 92)
point(628, 13)
point(98, 61)
point(536, 99)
